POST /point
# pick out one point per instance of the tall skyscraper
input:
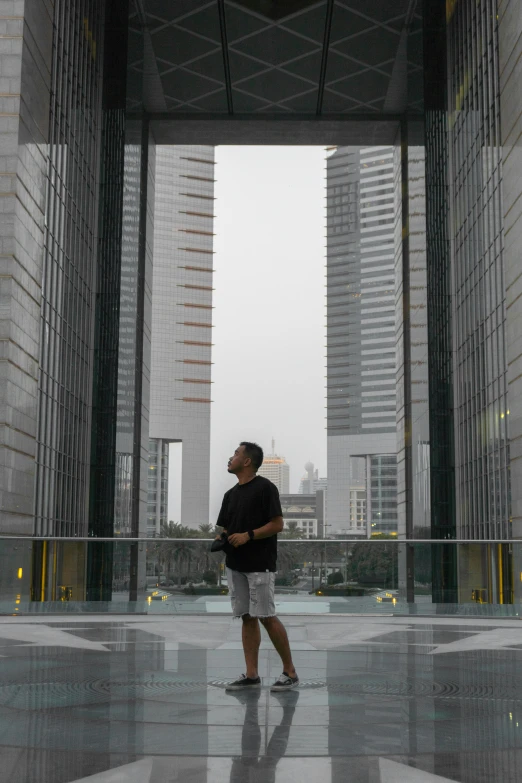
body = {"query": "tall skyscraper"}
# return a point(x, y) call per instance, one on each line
point(66, 138)
point(133, 347)
point(51, 330)
point(180, 397)
point(276, 469)
point(361, 365)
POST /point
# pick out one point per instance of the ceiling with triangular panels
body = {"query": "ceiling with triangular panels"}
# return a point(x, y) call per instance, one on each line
point(287, 57)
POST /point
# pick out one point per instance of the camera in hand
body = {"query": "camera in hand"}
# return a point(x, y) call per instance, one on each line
point(219, 544)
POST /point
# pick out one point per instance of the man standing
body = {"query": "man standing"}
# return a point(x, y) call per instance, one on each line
point(251, 516)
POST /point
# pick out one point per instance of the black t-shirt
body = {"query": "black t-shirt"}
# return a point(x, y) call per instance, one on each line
point(246, 507)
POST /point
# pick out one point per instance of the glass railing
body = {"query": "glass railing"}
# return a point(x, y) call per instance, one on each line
point(380, 575)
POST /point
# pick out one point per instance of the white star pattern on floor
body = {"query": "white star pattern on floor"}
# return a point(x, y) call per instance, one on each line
point(325, 633)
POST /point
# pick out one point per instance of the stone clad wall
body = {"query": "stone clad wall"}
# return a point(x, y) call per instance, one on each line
point(25, 73)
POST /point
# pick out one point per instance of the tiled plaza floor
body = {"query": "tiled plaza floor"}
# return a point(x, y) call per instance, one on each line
point(142, 700)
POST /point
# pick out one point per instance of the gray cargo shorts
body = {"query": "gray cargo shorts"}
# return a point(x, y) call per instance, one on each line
point(252, 593)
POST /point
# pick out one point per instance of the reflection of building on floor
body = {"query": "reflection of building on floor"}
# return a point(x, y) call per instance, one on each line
point(311, 482)
point(305, 512)
point(414, 697)
point(181, 329)
point(276, 469)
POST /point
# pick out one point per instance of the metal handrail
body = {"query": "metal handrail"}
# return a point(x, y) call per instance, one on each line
point(124, 539)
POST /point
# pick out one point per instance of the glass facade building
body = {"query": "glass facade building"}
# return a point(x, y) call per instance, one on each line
point(69, 273)
point(361, 291)
point(422, 232)
point(134, 339)
point(382, 508)
point(361, 341)
point(108, 283)
point(424, 382)
point(480, 402)
point(469, 407)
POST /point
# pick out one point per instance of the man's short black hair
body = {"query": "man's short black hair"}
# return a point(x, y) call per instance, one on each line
point(254, 452)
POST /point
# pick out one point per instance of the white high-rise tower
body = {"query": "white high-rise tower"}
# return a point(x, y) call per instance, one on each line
point(180, 397)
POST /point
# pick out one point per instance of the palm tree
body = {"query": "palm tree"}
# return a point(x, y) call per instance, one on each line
point(285, 557)
point(289, 554)
point(292, 530)
point(177, 551)
point(310, 552)
point(207, 531)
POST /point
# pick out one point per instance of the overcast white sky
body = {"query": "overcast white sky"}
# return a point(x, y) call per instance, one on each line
point(269, 299)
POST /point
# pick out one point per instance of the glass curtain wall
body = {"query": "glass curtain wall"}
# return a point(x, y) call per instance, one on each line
point(104, 403)
point(69, 272)
point(440, 314)
point(359, 574)
point(481, 409)
point(361, 322)
point(440, 324)
point(468, 406)
point(80, 293)
point(102, 510)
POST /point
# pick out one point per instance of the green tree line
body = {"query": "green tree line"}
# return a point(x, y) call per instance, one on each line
point(189, 559)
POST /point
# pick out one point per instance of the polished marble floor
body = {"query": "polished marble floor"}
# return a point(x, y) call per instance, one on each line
point(132, 699)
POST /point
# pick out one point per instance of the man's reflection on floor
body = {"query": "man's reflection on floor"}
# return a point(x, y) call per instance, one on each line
point(251, 767)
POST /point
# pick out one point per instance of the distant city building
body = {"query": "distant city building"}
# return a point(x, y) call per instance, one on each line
point(358, 508)
point(361, 365)
point(157, 486)
point(276, 469)
point(182, 328)
point(311, 482)
point(306, 510)
point(373, 495)
point(381, 488)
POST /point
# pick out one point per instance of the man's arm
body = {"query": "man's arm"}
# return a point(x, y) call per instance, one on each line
point(271, 528)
